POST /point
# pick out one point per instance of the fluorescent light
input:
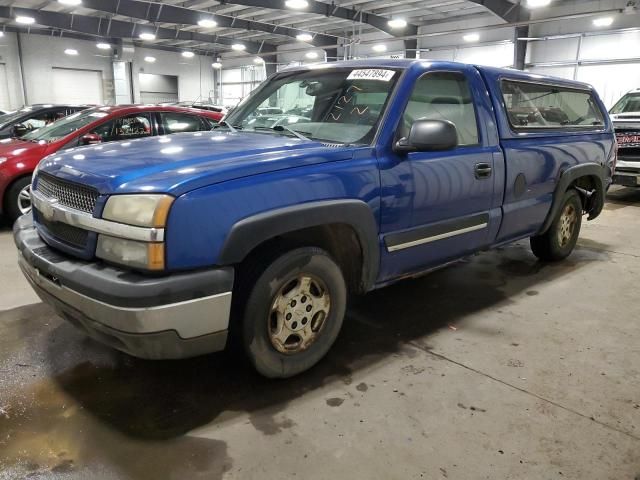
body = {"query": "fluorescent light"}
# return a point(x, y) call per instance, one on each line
point(311, 55)
point(471, 37)
point(238, 47)
point(1, 34)
point(304, 37)
point(70, 2)
point(603, 21)
point(379, 48)
point(71, 51)
point(103, 46)
point(188, 54)
point(258, 60)
point(207, 23)
point(537, 3)
point(149, 59)
point(296, 4)
point(216, 65)
point(397, 23)
point(147, 36)
point(25, 20)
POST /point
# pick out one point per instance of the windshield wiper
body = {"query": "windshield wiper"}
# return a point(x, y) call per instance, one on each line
point(282, 128)
point(228, 125)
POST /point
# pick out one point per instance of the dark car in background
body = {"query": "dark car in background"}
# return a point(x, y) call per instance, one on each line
point(19, 157)
point(29, 118)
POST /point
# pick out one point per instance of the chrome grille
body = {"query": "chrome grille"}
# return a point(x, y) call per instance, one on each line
point(68, 194)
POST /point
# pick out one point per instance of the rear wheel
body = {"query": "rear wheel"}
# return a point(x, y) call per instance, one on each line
point(18, 199)
point(558, 242)
point(294, 312)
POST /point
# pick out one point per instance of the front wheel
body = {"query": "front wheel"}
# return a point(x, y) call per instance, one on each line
point(294, 312)
point(18, 199)
point(561, 238)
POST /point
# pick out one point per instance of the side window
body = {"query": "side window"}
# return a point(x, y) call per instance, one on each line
point(443, 96)
point(180, 122)
point(42, 119)
point(133, 126)
point(540, 106)
point(106, 131)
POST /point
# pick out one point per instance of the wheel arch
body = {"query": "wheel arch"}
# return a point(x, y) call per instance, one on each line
point(311, 218)
point(578, 177)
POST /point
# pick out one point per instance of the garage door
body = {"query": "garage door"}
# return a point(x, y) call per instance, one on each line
point(4, 88)
point(77, 86)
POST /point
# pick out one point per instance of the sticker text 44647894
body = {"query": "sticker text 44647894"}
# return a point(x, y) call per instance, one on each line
point(371, 74)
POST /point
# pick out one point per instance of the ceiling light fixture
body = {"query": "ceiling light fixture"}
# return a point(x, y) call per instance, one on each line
point(207, 23)
point(25, 20)
point(258, 60)
point(397, 23)
point(304, 37)
point(103, 46)
point(238, 47)
point(147, 36)
point(311, 55)
point(73, 3)
point(603, 21)
point(216, 65)
point(471, 37)
point(150, 59)
point(188, 54)
point(71, 51)
point(379, 48)
point(537, 3)
point(296, 4)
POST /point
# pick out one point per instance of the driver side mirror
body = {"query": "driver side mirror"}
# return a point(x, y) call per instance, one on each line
point(90, 139)
point(19, 130)
point(429, 136)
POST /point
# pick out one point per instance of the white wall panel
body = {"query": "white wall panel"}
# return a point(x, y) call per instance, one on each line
point(76, 86)
point(492, 55)
point(611, 81)
point(5, 104)
point(561, 72)
point(558, 50)
point(615, 46)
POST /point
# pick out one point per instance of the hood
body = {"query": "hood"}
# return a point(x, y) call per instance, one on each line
point(182, 162)
point(14, 149)
point(626, 118)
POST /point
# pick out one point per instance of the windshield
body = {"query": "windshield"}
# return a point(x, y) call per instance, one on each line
point(629, 103)
point(64, 127)
point(332, 105)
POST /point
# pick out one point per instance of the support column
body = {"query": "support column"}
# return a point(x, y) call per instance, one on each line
point(520, 47)
point(411, 46)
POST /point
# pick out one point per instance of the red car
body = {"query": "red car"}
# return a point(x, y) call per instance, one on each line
point(19, 157)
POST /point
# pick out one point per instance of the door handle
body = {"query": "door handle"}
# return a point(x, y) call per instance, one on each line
point(483, 170)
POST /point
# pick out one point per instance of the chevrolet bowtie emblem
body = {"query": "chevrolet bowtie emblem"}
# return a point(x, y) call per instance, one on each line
point(47, 208)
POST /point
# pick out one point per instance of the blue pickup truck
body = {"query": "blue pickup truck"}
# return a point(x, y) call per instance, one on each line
point(259, 231)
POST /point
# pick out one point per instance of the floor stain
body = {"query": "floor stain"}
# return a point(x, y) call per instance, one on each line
point(362, 387)
point(335, 402)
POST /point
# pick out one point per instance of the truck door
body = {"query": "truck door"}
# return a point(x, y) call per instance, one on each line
point(455, 194)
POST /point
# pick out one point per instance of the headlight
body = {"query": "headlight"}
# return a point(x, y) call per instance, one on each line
point(140, 210)
point(148, 256)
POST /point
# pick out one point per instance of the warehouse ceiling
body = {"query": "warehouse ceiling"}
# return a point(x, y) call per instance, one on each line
point(260, 25)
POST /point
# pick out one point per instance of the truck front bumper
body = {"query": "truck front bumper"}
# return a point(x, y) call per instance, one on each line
point(173, 316)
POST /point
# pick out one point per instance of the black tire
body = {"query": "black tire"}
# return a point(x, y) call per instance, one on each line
point(552, 246)
point(11, 209)
point(259, 321)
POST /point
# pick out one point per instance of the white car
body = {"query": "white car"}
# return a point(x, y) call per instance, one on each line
point(625, 115)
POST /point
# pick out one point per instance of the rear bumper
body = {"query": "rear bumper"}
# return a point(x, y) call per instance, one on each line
point(175, 316)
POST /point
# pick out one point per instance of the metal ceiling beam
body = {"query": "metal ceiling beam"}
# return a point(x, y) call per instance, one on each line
point(331, 10)
point(109, 28)
point(507, 11)
point(166, 13)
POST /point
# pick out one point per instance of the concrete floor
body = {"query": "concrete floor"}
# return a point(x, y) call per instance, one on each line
point(499, 367)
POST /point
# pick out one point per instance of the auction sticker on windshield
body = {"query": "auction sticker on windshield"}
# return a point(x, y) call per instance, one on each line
point(371, 74)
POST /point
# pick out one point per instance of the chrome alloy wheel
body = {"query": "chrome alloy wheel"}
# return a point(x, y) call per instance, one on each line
point(298, 314)
point(24, 200)
point(567, 225)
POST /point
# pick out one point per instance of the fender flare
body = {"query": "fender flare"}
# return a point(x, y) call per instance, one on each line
point(248, 233)
point(567, 177)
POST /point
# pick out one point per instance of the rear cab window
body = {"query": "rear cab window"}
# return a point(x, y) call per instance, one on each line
point(537, 106)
